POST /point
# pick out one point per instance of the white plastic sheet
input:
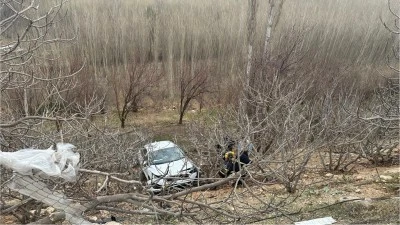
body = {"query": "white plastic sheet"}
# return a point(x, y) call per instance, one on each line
point(61, 162)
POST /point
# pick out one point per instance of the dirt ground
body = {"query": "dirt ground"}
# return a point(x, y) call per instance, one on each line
point(322, 194)
point(366, 195)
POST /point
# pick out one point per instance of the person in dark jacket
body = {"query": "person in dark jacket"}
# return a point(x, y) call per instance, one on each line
point(244, 158)
point(232, 164)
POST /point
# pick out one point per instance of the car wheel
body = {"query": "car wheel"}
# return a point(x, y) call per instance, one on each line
point(196, 181)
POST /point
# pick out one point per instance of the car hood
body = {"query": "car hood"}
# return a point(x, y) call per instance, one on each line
point(181, 166)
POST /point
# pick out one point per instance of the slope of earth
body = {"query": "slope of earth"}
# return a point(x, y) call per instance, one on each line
point(366, 194)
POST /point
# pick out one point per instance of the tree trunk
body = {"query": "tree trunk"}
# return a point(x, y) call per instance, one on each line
point(170, 69)
point(181, 117)
point(268, 30)
point(272, 15)
point(251, 24)
point(183, 109)
point(122, 122)
point(26, 106)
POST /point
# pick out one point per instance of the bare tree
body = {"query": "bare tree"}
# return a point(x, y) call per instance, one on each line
point(251, 25)
point(130, 85)
point(284, 119)
point(382, 112)
point(193, 82)
point(290, 121)
point(37, 88)
point(31, 92)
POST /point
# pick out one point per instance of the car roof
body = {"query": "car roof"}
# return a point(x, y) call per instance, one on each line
point(159, 145)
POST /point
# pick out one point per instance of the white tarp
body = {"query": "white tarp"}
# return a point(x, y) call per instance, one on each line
point(61, 162)
point(29, 164)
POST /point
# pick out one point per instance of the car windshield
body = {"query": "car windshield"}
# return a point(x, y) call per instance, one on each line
point(165, 155)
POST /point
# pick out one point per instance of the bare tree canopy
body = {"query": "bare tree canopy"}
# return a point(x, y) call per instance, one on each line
point(283, 110)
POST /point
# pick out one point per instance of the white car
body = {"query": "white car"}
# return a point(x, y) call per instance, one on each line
point(164, 165)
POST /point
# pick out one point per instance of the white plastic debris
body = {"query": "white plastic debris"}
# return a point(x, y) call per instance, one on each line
point(319, 221)
point(62, 162)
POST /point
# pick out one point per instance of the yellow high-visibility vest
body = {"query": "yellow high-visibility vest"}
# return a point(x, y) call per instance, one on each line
point(230, 154)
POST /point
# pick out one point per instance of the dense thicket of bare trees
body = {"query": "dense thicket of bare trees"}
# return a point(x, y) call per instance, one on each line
point(293, 82)
point(293, 108)
point(153, 32)
point(35, 86)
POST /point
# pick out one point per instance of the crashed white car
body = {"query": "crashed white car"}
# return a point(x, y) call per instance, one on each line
point(164, 165)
